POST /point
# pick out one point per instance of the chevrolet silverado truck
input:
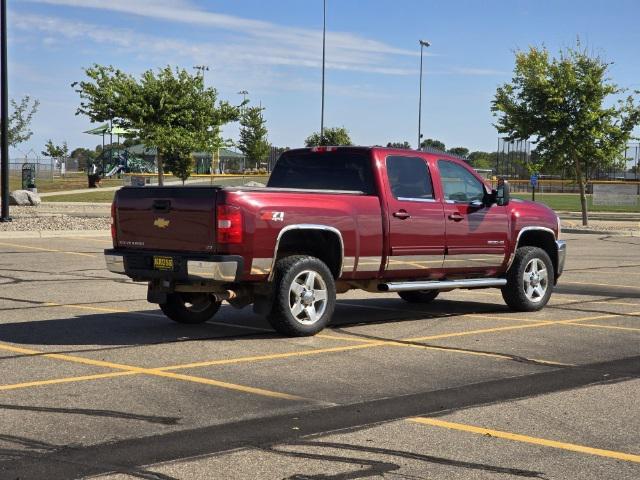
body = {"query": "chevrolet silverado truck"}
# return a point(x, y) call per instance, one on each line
point(329, 220)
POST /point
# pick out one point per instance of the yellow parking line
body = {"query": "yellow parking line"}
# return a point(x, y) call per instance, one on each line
point(608, 327)
point(100, 309)
point(110, 242)
point(14, 245)
point(445, 349)
point(151, 371)
point(598, 302)
point(572, 447)
point(600, 285)
point(56, 381)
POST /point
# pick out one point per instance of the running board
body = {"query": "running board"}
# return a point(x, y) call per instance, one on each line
point(442, 285)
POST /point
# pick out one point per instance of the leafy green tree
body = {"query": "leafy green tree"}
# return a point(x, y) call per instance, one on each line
point(432, 143)
point(84, 156)
point(170, 110)
point(253, 135)
point(180, 161)
point(332, 136)
point(55, 151)
point(459, 151)
point(20, 120)
point(482, 160)
point(406, 145)
point(565, 104)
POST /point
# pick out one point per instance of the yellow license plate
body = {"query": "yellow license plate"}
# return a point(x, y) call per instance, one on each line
point(163, 263)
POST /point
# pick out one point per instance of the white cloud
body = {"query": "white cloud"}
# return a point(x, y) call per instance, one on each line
point(183, 11)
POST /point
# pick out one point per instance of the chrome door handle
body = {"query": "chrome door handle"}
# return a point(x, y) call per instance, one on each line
point(456, 217)
point(402, 215)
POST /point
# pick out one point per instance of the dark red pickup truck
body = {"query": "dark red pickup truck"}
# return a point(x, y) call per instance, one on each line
point(333, 219)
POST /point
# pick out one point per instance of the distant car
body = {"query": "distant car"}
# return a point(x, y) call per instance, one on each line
point(333, 219)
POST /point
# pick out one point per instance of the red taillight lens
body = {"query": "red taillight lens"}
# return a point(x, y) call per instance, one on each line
point(113, 223)
point(229, 226)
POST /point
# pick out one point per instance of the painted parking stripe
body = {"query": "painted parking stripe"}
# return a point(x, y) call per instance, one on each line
point(572, 447)
point(151, 371)
point(50, 250)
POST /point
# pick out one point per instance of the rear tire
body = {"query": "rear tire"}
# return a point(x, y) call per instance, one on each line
point(419, 296)
point(304, 296)
point(190, 308)
point(530, 280)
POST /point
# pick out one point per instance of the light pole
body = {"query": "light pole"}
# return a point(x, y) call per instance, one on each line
point(201, 69)
point(423, 44)
point(324, 47)
point(4, 116)
point(244, 94)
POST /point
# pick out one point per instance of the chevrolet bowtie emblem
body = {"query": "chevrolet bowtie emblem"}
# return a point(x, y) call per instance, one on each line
point(161, 223)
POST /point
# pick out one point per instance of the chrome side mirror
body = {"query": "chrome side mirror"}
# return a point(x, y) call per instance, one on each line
point(502, 192)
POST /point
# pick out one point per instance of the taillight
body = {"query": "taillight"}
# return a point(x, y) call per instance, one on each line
point(229, 226)
point(113, 222)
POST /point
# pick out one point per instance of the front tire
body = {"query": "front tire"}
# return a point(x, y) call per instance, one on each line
point(304, 296)
point(190, 308)
point(419, 296)
point(530, 280)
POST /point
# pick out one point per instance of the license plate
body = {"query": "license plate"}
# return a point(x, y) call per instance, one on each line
point(163, 263)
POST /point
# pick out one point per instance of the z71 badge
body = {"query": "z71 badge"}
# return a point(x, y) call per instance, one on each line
point(273, 216)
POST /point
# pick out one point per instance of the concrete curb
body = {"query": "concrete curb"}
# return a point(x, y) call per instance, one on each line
point(54, 234)
point(617, 233)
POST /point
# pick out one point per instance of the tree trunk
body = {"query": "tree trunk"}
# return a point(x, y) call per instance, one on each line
point(160, 170)
point(583, 196)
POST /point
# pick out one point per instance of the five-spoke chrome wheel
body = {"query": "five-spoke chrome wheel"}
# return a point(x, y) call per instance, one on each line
point(536, 280)
point(308, 297)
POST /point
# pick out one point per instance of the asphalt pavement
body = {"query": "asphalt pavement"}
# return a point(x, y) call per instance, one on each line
point(97, 383)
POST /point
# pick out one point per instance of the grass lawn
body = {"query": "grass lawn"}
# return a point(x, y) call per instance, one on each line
point(571, 202)
point(98, 196)
point(72, 181)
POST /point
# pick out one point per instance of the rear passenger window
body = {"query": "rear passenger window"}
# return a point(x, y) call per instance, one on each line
point(409, 178)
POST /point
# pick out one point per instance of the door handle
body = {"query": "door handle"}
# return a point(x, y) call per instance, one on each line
point(402, 215)
point(456, 217)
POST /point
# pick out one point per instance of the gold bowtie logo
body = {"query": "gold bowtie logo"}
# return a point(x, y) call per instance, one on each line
point(161, 223)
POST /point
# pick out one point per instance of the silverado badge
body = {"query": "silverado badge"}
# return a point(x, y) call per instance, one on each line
point(161, 223)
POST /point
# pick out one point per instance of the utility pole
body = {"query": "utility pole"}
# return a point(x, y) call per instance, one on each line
point(423, 44)
point(324, 48)
point(244, 94)
point(4, 116)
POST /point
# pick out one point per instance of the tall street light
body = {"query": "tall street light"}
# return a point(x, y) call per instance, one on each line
point(423, 43)
point(324, 46)
point(4, 116)
point(244, 94)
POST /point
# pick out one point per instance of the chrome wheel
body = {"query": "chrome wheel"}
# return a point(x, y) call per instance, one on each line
point(308, 297)
point(536, 280)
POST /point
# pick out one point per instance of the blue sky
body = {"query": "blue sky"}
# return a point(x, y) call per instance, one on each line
point(273, 50)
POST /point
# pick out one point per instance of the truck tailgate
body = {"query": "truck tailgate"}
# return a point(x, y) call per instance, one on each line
point(166, 218)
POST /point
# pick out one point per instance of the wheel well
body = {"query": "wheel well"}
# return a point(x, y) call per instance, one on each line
point(323, 244)
point(544, 240)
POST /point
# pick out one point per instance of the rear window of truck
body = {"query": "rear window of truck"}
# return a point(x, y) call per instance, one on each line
point(333, 170)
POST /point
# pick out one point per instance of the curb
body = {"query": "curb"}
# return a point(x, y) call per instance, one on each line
point(54, 233)
point(617, 233)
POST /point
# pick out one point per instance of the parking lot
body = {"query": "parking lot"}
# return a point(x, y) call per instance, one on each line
point(97, 383)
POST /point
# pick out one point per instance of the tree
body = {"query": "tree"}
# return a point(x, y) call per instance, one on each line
point(482, 160)
point(180, 161)
point(253, 135)
point(170, 110)
point(432, 143)
point(332, 136)
point(459, 151)
point(565, 104)
point(20, 120)
point(55, 151)
point(405, 145)
point(84, 156)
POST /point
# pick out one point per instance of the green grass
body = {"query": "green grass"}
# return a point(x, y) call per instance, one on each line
point(571, 202)
point(97, 196)
point(72, 181)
